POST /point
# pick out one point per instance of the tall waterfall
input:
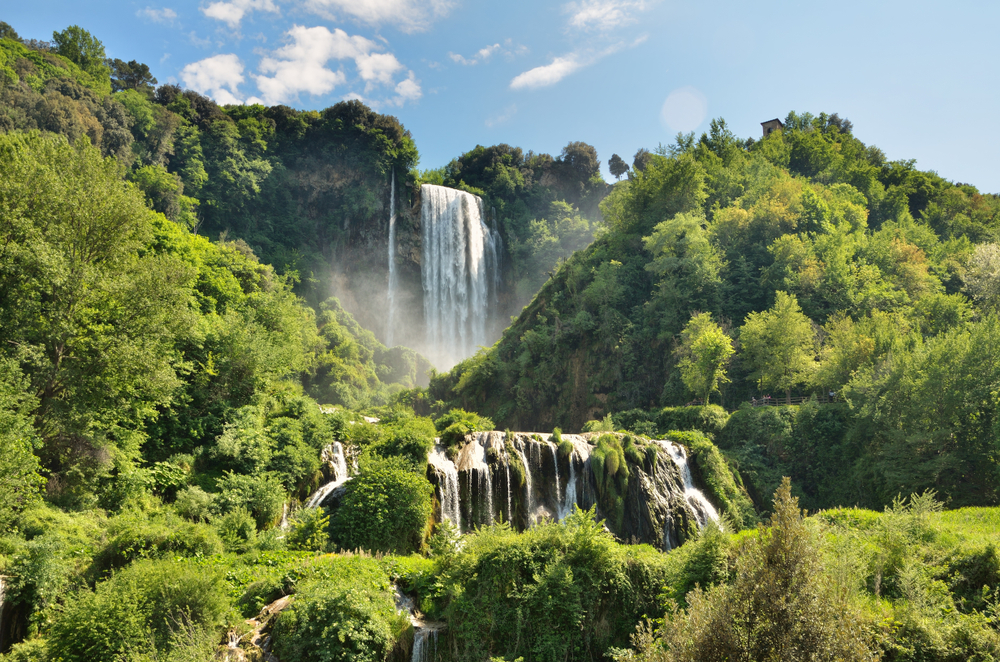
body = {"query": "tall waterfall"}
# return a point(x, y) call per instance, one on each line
point(459, 270)
point(393, 284)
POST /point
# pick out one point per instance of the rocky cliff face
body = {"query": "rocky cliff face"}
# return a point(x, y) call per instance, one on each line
point(525, 478)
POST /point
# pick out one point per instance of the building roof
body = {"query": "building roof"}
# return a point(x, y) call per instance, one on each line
point(774, 120)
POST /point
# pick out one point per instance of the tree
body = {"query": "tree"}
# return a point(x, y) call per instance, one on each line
point(779, 345)
point(780, 605)
point(704, 352)
point(982, 280)
point(7, 32)
point(130, 75)
point(79, 46)
point(617, 166)
point(641, 159)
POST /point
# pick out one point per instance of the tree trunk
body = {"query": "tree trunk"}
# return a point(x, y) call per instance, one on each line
point(788, 397)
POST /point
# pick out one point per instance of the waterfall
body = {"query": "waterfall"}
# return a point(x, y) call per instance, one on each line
point(555, 462)
point(392, 263)
point(486, 486)
point(510, 502)
point(459, 269)
point(570, 499)
point(451, 509)
point(425, 643)
point(703, 510)
point(527, 482)
point(334, 456)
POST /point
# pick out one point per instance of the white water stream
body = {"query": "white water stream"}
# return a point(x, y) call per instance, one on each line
point(334, 456)
point(451, 509)
point(703, 509)
point(393, 284)
point(459, 268)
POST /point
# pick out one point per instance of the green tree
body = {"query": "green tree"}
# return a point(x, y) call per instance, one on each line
point(386, 508)
point(79, 46)
point(780, 604)
point(704, 352)
point(617, 166)
point(130, 75)
point(778, 345)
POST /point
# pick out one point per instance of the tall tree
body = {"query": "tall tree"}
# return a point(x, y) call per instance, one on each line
point(617, 166)
point(130, 75)
point(779, 345)
point(79, 46)
point(704, 352)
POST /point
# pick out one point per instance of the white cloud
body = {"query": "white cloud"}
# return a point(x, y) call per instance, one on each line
point(548, 74)
point(165, 15)
point(407, 15)
point(508, 50)
point(603, 15)
point(502, 117)
point(377, 68)
point(303, 66)
point(218, 76)
point(408, 89)
point(232, 12)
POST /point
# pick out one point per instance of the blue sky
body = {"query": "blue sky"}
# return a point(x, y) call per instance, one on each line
point(918, 79)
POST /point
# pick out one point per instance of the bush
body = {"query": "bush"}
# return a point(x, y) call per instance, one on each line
point(140, 611)
point(309, 530)
point(348, 614)
point(261, 494)
point(195, 504)
point(237, 529)
point(567, 590)
point(711, 419)
point(137, 535)
point(606, 424)
point(411, 439)
point(458, 423)
point(386, 508)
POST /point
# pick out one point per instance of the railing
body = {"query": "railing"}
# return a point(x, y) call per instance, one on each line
point(780, 401)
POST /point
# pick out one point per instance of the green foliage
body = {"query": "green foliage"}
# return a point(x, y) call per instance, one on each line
point(779, 345)
point(195, 504)
point(261, 494)
point(779, 604)
point(143, 610)
point(725, 486)
point(555, 592)
point(386, 508)
point(309, 530)
point(704, 353)
point(345, 612)
point(20, 481)
point(457, 423)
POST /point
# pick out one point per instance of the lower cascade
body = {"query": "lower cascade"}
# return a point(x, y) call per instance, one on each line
point(519, 478)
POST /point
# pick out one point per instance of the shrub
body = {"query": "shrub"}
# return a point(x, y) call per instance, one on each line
point(140, 611)
point(386, 508)
point(261, 494)
point(237, 529)
point(195, 504)
point(309, 530)
point(711, 419)
point(458, 423)
point(606, 424)
point(137, 535)
point(347, 614)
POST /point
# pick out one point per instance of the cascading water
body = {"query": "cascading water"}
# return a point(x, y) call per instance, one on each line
point(555, 463)
point(459, 269)
point(393, 284)
point(703, 509)
point(425, 643)
point(335, 458)
point(451, 508)
point(527, 482)
point(510, 501)
point(570, 499)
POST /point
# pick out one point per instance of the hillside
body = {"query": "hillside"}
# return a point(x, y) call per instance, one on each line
point(881, 272)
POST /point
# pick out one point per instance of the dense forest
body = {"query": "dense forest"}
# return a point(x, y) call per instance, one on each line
point(814, 326)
